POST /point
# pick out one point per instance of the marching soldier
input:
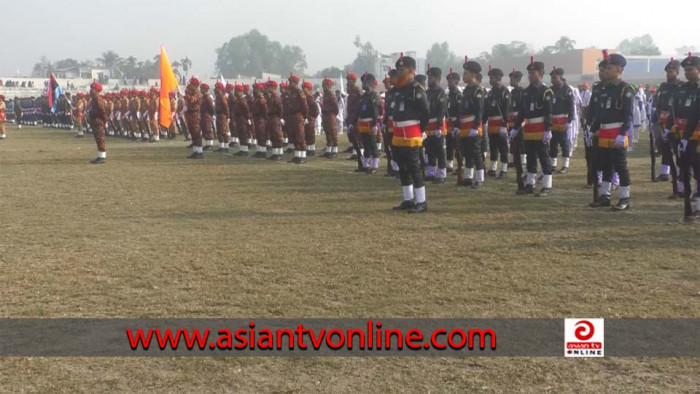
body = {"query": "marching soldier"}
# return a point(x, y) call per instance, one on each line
point(667, 141)
point(497, 112)
point(516, 98)
point(242, 117)
point(563, 112)
point(193, 103)
point(98, 119)
point(296, 113)
point(80, 114)
point(143, 120)
point(310, 122)
point(284, 96)
point(123, 114)
point(154, 125)
point(536, 111)
point(368, 124)
point(594, 174)
point(207, 117)
point(173, 131)
point(3, 117)
point(353, 109)
point(437, 128)
point(454, 102)
point(388, 120)
point(251, 124)
point(411, 112)
point(611, 126)
point(222, 112)
point(230, 89)
point(273, 121)
point(468, 126)
point(259, 118)
point(329, 112)
point(684, 119)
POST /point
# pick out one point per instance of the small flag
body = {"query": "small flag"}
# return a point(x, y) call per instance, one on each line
point(168, 83)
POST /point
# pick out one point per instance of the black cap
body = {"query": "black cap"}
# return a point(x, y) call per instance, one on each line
point(420, 78)
point(454, 76)
point(516, 74)
point(406, 61)
point(617, 60)
point(435, 72)
point(602, 63)
point(691, 61)
point(557, 71)
point(367, 77)
point(472, 66)
point(537, 66)
point(673, 64)
point(393, 72)
point(496, 72)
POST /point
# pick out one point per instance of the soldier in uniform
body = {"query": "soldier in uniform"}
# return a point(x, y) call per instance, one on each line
point(516, 98)
point(80, 113)
point(666, 141)
point(222, 112)
point(230, 89)
point(497, 112)
point(594, 175)
point(353, 109)
point(329, 113)
point(454, 102)
point(251, 125)
point(193, 102)
point(3, 117)
point(207, 117)
point(684, 119)
point(437, 128)
point(259, 117)
point(143, 120)
point(98, 119)
point(153, 122)
point(388, 123)
point(536, 111)
point(273, 120)
point(411, 112)
point(311, 117)
point(368, 124)
point(284, 96)
point(563, 113)
point(173, 131)
point(296, 112)
point(242, 116)
point(468, 126)
point(611, 126)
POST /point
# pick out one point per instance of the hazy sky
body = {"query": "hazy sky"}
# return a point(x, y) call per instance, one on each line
point(324, 29)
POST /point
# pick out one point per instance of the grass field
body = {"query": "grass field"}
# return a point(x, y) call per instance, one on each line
point(151, 234)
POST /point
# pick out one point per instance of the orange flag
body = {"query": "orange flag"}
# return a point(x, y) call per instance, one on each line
point(168, 83)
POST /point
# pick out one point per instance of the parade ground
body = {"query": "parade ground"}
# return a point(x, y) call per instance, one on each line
point(153, 234)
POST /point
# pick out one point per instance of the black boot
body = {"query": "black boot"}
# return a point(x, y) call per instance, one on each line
point(405, 206)
point(419, 208)
point(544, 192)
point(622, 205)
point(528, 189)
point(603, 201)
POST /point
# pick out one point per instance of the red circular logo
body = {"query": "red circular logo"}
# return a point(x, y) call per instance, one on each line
point(585, 331)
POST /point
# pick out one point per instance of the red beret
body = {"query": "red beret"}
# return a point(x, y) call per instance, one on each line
point(96, 86)
point(284, 85)
point(155, 90)
point(144, 93)
point(230, 86)
point(194, 81)
point(352, 76)
point(219, 85)
point(307, 85)
point(246, 87)
point(124, 91)
point(328, 81)
point(171, 94)
point(239, 88)
point(272, 84)
point(205, 86)
point(293, 78)
point(2, 96)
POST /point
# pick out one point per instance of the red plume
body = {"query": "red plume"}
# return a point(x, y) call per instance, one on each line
point(606, 55)
point(690, 54)
point(554, 68)
point(401, 55)
point(671, 59)
point(532, 59)
point(291, 73)
point(489, 68)
point(450, 70)
point(513, 69)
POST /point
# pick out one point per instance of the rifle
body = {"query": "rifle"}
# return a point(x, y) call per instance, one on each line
point(515, 146)
point(594, 151)
point(684, 159)
point(460, 161)
point(652, 153)
point(421, 158)
point(356, 147)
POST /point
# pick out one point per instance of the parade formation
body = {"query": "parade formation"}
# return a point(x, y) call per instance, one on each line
point(427, 128)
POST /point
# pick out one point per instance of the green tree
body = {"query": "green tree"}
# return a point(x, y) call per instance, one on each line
point(111, 61)
point(253, 52)
point(639, 46)
point(330, 72)
point(367, 57)
point(440, 55)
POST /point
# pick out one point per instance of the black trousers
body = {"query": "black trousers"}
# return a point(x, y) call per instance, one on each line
point(450, 150)
point(388, 148)
point(410, 171)
point(435, 148)
point(613, 159)
point(471, 152)
point(559, 139)
point(538, 150)
point(591, 174)
point(370, 143)
point(498, 146)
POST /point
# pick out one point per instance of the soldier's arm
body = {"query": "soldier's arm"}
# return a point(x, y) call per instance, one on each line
point(442, 108)
point(505, 106)
point(375, 110)
point(478, 106)
point(547, 103)
point(692, 117)
point(334, 106)
point(627, 108)
point(423, 107)
point(570, 105)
